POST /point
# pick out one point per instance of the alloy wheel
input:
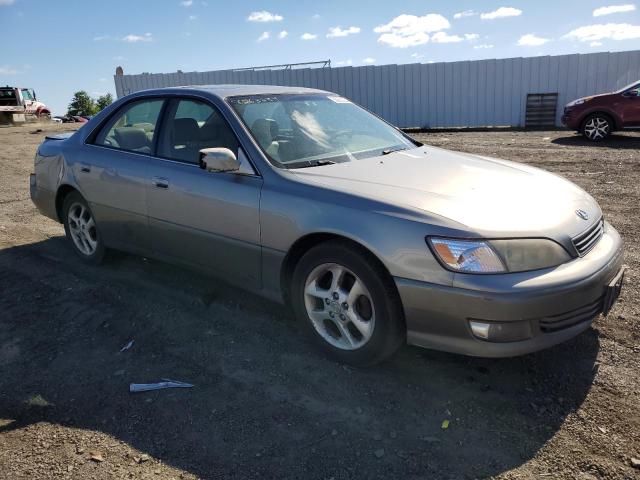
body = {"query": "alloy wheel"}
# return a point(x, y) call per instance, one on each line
point(83, 229)
point(339, 306)
point(597, 128)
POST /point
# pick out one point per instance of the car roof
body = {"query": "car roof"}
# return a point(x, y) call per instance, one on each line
point(224, 91)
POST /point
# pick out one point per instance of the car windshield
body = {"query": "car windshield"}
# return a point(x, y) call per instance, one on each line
point(631, 85)
point(302, 130)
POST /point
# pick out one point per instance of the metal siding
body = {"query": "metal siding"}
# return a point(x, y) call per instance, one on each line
point(468, 93)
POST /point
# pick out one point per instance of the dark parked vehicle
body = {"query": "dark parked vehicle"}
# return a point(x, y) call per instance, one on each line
point(599, 115)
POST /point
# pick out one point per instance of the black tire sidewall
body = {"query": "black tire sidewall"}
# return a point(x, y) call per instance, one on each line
point(389, 331)
point(98, 255)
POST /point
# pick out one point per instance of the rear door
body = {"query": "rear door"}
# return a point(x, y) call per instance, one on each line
point(113, 176)
point(209, 220)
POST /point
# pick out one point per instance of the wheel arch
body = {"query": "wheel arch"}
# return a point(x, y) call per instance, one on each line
point(307, 242)
point(61, 194)
point(615, 121)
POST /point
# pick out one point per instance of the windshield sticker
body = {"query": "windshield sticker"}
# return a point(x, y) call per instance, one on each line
point(338, 99)
point(252, 100)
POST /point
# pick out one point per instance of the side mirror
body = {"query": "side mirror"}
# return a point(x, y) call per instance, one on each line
point(218, 160)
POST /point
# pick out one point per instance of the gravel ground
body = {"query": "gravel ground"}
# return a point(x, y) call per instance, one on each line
point(265, 404)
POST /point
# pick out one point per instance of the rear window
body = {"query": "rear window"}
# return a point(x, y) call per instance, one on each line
point(7, 93)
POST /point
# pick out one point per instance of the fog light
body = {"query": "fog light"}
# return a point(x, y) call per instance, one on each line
point(480, 329)
point(500, 331)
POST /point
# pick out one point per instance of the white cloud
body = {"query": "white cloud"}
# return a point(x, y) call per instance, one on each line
point(264, 36)
point(595, 44)
point(416, 55)
point(598, 12)
point(530, 40)
point(119, 58)
point(369, 60)
point(264, 16)
point(613, 31)
point(410, 30)
point(465, 13)
point(483, 46)
point(308, 36)
point(186, 3)
point(131, 38)
point(335, 32)
point(501, 13)
point(102, 79)
point(193, 17)
point(8, 70)
point(283, 34)
point(471, 36)
point(342, 63)
point(4, 3)
point(442, 37)
point(316, 16)
point(99, 38)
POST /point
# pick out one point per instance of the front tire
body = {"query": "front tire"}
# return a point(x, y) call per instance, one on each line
point(81, 229)
point(597, 127)
point(348, 303)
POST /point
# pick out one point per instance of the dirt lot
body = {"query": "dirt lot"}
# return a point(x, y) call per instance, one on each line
point(265, 404)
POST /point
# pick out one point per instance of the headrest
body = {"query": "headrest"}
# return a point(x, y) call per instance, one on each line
point(131, 138)
point(265, 130)
point(185, 130)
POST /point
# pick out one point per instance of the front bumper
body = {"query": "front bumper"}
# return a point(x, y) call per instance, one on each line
point(551, 305)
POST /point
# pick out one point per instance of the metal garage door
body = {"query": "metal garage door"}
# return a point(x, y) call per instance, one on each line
point(541, 110)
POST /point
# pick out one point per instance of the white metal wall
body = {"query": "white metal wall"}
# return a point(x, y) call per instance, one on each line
point(451, 94)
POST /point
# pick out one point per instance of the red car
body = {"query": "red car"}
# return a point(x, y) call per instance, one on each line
point(597, 116)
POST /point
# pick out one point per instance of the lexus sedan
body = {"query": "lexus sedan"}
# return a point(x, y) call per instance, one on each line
point(301, 196)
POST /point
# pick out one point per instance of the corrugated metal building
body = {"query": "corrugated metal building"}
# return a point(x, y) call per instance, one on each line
point(450, 94)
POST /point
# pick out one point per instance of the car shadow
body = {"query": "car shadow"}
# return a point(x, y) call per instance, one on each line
point(613, 141)
point(265, 403)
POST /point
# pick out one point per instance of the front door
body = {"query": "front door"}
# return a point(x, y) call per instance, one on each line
point(630, 107)
point(209, 220)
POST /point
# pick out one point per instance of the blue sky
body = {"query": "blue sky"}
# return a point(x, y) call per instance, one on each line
point(58, 47)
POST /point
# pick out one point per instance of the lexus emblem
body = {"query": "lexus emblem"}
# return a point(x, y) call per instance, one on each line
point(582, 214)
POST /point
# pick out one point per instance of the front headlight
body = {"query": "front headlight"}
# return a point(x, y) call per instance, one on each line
point(498, 256)
point(579, 101)
point(469, 256)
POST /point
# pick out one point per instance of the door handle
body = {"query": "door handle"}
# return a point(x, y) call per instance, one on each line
point(160, 182)
point(85, 168)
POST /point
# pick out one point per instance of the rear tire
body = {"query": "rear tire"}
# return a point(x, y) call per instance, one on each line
point(82, 230)
point(348, 304)
point(596, 127)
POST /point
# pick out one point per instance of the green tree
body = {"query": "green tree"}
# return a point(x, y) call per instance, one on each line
point(81, 104)
point(103, 101)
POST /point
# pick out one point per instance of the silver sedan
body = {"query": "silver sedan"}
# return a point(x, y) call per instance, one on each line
point(374, 239)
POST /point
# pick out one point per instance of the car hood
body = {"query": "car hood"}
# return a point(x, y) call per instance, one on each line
point(590, 97)
point(488, 196)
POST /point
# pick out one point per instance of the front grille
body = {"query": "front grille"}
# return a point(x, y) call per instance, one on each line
point(561, 321)
point(587, 239)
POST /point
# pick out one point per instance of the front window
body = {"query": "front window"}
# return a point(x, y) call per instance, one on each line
point(300, 130)
point(26, 94)
point(190, 126)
